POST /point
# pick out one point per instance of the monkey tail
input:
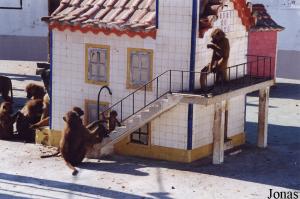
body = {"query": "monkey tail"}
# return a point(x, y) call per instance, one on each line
point(51, 155)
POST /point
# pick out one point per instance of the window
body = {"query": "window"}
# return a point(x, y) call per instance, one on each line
point(97, 64)
point(141, 136)
point(140, 66)
point(91, 110)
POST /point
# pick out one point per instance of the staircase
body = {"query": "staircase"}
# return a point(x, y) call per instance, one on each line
point(144, 116)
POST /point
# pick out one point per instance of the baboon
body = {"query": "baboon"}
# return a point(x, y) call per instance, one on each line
point(28, 116)
point(5, 87)
point(77, 139)
point(45, 118)
point(35, 91)
point(221, 49)
point(112, 120)
point(6, 121)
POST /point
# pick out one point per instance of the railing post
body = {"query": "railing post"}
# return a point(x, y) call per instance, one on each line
point(98, 99)
point(264, 70)
point(132, 103)
point(145, 95)
point(236, 72)
point(182, 81)
point(206, 79)
point(170, 81)
point(270, 67)
point(257, 66)
point(244, 73)
point(156, 88)
point(121, 110)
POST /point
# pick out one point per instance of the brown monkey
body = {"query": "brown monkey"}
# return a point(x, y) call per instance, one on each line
point(29, 115)
point(35, 91)
point(5, 87)
point(6, 120)
point(112, 120)
point(95, 128)
point(45, 118)
point(76, 139)
point(221, 49)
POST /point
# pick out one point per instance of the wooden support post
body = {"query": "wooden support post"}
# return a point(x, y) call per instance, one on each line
point(218, 133)
point(262, 137)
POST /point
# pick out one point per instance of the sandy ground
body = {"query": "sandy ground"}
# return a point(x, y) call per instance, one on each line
point(246, 175)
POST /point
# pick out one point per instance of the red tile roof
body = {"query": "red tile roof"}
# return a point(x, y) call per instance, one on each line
point(210, 12)
point(132, 17)
point(262, 20)
point(254, 17)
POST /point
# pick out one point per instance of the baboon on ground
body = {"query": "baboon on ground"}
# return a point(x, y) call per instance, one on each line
point(28, 116)
point(77, 139)
point(6, 121)
point(35, 91)
point(45, 118)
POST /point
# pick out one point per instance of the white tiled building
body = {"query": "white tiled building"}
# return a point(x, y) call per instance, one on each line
point(125, 53)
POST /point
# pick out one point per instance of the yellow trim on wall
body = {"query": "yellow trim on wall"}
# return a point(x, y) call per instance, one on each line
point(48, 137)
point(171, 154)
point(86, 110)
point(128, 79)
point(87, 46)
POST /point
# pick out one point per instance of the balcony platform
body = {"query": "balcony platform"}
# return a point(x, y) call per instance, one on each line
point(225, 91)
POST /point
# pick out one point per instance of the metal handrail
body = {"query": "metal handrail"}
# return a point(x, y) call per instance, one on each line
point(246, 66)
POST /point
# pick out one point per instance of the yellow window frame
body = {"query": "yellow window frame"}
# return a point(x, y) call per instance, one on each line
point(102, 83)
point(128, 81)
point(88, 102)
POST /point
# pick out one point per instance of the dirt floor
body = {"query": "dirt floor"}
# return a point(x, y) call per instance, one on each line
point(248, 174)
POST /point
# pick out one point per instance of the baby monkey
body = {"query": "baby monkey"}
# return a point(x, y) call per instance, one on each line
point(112, 120)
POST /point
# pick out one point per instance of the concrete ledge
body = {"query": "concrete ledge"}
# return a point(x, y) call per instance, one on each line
point(202, 100)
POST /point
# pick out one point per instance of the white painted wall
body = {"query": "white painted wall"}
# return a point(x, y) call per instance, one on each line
point(26, 21)
point(204, 119)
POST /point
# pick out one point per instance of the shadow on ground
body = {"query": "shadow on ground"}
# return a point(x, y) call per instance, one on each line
point(283, 91)
point(63, 187)
point(18, 77)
